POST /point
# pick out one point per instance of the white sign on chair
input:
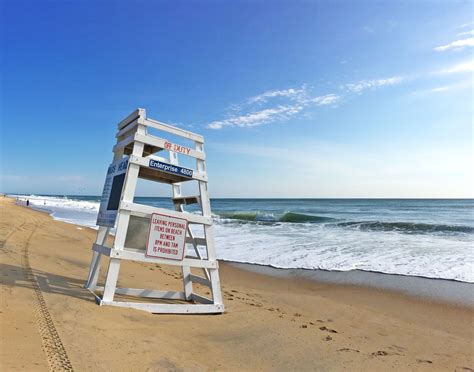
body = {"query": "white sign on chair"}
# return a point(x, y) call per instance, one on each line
point(167, 237)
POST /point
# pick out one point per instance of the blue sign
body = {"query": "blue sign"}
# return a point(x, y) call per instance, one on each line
point(170, 168)
point(110, 200)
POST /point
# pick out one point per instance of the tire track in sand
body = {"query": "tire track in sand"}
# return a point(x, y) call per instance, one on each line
point(55, 352)
point(3, 241)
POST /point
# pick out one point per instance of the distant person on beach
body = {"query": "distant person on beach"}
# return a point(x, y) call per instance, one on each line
point(27, 202)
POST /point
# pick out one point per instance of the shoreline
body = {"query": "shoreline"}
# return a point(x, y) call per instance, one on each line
point(434, 289)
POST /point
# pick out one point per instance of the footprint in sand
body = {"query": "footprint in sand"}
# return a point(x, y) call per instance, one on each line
point(424, 361)
point(327, 329)
point(327, 338)
point(383, 353)
point(379, 353)
point(350, 350)
point(303, 326)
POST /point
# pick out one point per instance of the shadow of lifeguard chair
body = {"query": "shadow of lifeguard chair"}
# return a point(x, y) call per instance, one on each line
point(151, 234)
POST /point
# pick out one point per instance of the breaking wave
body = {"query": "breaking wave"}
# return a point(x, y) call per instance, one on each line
point(407, 227)
point(287, 217)
point(379, 226)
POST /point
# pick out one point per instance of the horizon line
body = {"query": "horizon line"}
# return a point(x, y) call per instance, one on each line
point(267, 198)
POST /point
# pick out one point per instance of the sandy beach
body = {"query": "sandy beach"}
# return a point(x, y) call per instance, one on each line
point(270, 323)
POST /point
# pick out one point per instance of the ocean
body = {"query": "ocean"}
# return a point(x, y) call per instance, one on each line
point(431, 238)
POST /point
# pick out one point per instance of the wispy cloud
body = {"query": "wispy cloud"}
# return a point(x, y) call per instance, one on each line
point(461, 67)
point(466, 33)
point(289, 93)
point(371, 84)
point(289, 103)
point(440, 89)
point(258, 117)
point(328, 99)
point(281, 105)
point(456, 45)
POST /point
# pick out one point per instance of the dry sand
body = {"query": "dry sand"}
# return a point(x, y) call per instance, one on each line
point(269, 324)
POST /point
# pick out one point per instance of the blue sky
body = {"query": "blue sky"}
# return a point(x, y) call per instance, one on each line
point(295, 99)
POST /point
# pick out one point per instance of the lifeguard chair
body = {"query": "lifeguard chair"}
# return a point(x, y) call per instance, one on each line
point(151, 234)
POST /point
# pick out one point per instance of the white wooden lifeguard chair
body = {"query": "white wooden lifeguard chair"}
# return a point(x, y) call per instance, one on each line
point(155, 235)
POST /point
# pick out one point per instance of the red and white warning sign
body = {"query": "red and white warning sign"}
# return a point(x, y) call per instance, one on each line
point(167, 237)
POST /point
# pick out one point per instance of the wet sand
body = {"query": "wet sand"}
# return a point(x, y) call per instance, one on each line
point(271, 323)
point(438, 290)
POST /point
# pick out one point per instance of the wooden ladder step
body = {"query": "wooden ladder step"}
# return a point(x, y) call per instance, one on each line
point(186, 200)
